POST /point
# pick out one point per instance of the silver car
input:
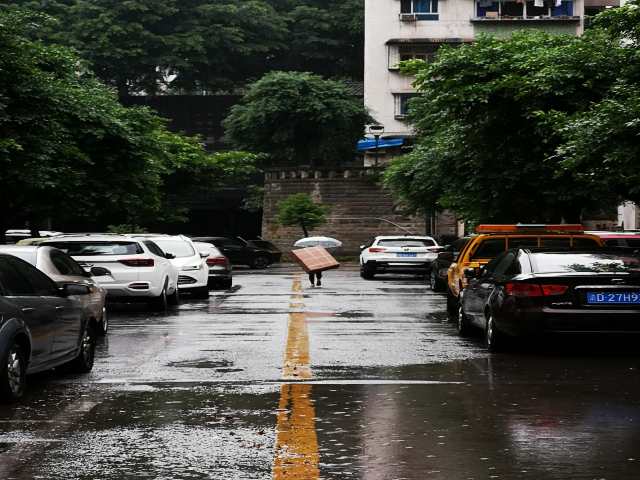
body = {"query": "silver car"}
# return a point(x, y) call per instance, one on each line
point(65, 270)
point(220, 269)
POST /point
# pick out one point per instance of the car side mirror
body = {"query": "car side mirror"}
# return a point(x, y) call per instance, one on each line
point(99, 271)
point(469, 272)
point(76, 289)
point(169, 256)
point(204, 254)
point(445, 256)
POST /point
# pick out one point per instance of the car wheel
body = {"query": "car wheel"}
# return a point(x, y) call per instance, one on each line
point(435, 283)
point(83, 363)
point(464, 327)
point(452, 302)
point(159, 303)
point(103, 324)
point(494, 339)
point(174, 298)
point(12, 374)
point(260, 262)
point(366, 274)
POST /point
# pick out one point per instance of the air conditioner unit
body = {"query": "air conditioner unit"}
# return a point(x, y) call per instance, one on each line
point(407, 17)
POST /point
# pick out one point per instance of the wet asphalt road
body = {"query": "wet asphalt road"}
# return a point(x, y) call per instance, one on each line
point(356, 379)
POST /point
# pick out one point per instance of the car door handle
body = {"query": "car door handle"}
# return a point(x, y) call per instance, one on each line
point(28, 310)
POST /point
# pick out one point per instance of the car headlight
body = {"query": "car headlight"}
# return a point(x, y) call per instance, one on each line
point(189, 268)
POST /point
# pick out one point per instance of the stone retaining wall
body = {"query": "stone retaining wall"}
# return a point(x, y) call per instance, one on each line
point(362, 209)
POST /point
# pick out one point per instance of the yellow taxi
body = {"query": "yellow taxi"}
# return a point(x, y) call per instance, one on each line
point(494, 239)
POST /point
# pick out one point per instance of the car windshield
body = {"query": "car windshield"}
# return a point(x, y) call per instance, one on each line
point(406, 242)
point(179, 248)
point(585, 262)
point(100, 248)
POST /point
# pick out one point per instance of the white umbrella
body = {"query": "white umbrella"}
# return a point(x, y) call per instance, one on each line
point(326, 242)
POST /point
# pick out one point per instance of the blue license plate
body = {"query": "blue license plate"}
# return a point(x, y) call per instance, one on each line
point(406, 254)
point(600, 297)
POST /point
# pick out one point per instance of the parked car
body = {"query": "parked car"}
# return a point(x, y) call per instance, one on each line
point(135, 268)
point(41, 327)
point(526, 291)
point(240, 252)
point(220, 269)
point(63, 269)
point(194, 275)
point(397, 254)
point(438, 267)
point(492, 240)
point(14, 236)
point(619, 239)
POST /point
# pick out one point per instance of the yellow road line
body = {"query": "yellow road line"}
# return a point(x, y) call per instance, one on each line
point(296, 447)
point(297, 454)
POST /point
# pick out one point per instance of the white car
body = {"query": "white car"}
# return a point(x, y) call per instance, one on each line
point(194, 272)
point(398, 254)
point(136, 268)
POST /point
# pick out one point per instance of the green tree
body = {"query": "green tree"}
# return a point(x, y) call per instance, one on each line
point(481, 141)
point(150, 46)
point(298, 118)
point(68, 148)
point(325, 37)
point(299, 209)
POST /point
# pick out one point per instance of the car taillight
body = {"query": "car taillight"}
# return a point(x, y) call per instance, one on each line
point(137, 262)
point(523, 289)
point(434, 250)
point(376, 249)
point(217, 261)
point(533, 290)
point(554, 289)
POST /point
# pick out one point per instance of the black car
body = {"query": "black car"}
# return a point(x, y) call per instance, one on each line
point(438, 268)
point(40, 326)
point(526, 291)
point(240, 252)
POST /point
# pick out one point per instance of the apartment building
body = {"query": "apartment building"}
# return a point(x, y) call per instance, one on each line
point(397, 30)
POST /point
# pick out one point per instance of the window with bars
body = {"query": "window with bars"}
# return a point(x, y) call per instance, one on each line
point(513, 8)
point(401, 103)
point(423, 9)
point(400, 53)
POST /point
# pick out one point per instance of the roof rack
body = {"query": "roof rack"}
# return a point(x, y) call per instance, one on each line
point(538, 228)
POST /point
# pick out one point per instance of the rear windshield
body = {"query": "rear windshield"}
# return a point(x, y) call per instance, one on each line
point(405, 242)
point(101, 248)
point(584, 262)
point(179, 248)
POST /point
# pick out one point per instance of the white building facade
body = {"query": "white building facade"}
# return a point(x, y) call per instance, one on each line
point(398, 30)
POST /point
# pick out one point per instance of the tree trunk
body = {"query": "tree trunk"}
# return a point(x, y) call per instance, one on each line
point(304, 229)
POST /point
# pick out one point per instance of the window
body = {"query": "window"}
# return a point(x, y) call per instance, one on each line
point(418, 52)
point(423, 9)
point(65, 264)
point(401, 105)
point(490, 248)
point(514, 8)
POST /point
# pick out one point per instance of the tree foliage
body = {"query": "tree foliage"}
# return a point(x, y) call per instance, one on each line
point(484, 148)
point(69, 148)
point(298, 118)
point(154, 46)
point(299, 209)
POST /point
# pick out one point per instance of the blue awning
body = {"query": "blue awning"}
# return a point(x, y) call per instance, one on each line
point(370, 143)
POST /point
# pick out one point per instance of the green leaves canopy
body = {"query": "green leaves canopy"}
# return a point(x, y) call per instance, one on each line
point(68, 148)
point(298, 118)
point(299, 209)
point(483, 150)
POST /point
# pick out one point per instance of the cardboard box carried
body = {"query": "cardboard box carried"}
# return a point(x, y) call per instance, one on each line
point(314, 259)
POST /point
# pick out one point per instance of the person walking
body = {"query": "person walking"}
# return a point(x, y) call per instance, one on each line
point(318, 278)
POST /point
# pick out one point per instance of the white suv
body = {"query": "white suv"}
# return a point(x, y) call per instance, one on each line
point(136, 268)
point(397, 254)
point(194, 272)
